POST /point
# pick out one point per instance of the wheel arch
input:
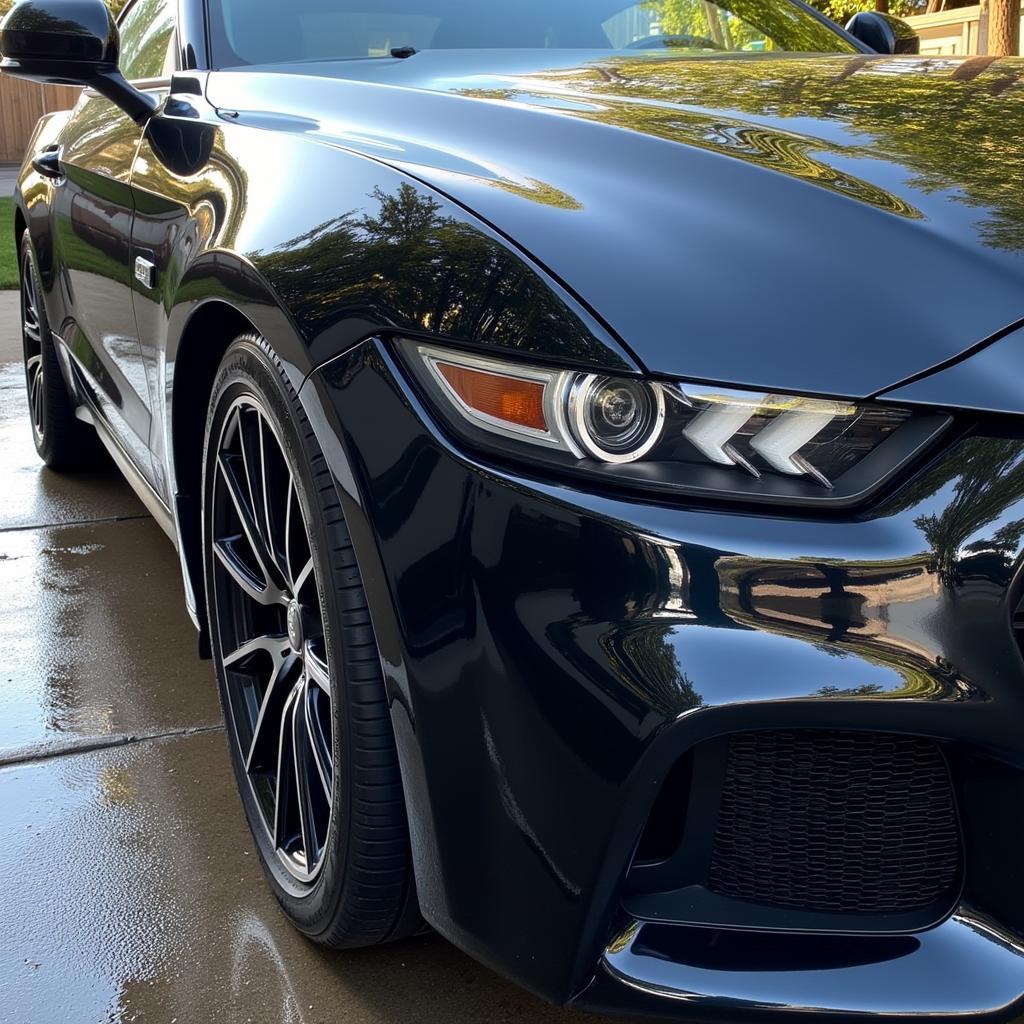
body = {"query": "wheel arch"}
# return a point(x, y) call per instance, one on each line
point(220, 296)
point(199, 350)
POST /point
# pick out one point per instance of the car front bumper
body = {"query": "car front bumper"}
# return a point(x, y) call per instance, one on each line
point(551, 654)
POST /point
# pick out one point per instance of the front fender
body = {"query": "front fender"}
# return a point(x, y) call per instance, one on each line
point(321, 248)
point(318, 249)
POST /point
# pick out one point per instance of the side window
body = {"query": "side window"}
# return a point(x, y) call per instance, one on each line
point(148, 40)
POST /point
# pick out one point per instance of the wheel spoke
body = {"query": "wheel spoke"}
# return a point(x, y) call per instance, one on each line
point(301, 752)
point(316, 668)
point(251, 586)
point(272, 591)
point(303, 578)
point(273, 645)
point(285, 781)
point(32, 336)
point(29, 305)
point(277, 484)
point(250, 439)
point(268, 708)
point(257, 456)
point(34, 368)
point(318, 744)
point(251, 442)
point(295, 551)
point(288, 530)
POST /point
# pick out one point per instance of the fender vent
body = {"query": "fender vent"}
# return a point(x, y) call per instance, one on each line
point(833, 821)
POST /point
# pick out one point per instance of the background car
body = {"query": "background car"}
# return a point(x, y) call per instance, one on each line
point(603, 559)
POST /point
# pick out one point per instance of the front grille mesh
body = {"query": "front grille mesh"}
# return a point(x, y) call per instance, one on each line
point(837, 822)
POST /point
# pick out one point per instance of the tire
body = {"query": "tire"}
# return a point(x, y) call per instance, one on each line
point(62, 441)
point(296, 659)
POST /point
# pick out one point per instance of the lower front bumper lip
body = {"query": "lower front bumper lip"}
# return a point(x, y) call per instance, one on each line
point(965, 967)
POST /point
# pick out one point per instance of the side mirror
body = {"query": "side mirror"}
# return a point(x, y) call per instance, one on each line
point(883, 33)
point(69, 42)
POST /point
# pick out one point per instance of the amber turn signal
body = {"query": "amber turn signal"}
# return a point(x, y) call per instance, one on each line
point(509, 399)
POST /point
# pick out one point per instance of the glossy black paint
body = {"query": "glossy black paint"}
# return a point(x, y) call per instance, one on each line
point(92, 212)
point(607, 637)
point(551, 651)
point(737, 156)
point(986, 382)
point(962, 968)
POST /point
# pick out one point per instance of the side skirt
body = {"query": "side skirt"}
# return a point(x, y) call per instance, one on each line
point(138, 483)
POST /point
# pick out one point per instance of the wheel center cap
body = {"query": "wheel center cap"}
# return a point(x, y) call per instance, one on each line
point(295, 626)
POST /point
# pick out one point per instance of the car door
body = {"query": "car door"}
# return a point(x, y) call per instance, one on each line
point(93, 213)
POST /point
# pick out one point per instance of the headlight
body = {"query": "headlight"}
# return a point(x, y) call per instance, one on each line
point(672, 435)
point(615, 420)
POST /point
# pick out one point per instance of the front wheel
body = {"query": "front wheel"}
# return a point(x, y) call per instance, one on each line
point(298, 668)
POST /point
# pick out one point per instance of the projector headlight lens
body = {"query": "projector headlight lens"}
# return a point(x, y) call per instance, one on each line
point(614, 420)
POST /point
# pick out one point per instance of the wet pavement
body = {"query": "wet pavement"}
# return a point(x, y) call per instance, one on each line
point(130, 887)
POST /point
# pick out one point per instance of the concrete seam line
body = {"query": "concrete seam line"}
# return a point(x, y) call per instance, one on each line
point(76, 522)
point(89, 744)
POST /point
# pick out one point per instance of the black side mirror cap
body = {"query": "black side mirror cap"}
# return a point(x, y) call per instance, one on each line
point(69, 42)
point(883, 33)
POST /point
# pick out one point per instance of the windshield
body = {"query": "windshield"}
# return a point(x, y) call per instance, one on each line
point(269, 31)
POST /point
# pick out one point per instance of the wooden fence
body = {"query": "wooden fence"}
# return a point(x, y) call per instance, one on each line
point(21, 105)
point(961, 32)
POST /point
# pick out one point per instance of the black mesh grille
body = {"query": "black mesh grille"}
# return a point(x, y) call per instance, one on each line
point(833, 821)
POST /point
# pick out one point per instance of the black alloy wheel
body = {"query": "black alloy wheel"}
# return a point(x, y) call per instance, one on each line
point(272, 637)
point(32, 337)
point(62, 441)
point(299, 671)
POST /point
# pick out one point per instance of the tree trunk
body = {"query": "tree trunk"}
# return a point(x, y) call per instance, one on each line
point(882, 6)
point(1004, 28)
point(934, 6)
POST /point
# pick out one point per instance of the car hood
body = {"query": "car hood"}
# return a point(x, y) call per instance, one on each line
point(827, 224)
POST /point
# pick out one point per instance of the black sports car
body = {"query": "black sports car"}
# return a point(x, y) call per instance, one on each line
point(593, 432)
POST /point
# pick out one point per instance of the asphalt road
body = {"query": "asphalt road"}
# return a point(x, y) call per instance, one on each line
point(130, 887)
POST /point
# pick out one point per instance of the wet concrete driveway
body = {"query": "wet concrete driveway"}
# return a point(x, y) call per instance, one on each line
point(129, 887)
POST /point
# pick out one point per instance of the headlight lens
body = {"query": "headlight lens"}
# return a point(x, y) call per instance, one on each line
point(675, 435)
point(615, 420)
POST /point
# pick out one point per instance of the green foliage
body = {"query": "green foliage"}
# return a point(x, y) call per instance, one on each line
point(843, 10)
point(990, 480)
point(701, 20)
point(8, 252)
point(697, 18)
point(401, 254)
point(737, 25)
